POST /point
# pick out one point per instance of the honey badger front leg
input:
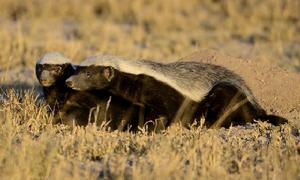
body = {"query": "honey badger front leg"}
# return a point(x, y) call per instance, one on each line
point(186, 112)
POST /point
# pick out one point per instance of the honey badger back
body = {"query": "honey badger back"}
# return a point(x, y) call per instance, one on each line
point(187, 89)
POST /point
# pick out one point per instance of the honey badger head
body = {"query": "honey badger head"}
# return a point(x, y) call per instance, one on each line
point(52, 68)
point(91, 78)
point(97, 72)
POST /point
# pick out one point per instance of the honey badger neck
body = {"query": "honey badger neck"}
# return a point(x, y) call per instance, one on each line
point(69, 71)
point(127, 85)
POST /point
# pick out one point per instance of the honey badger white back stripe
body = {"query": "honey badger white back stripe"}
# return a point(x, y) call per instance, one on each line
point(143, 67)
point(53, 58)
point(192, 79)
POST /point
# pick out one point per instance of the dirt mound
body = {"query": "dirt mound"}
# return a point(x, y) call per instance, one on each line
point(276, 89)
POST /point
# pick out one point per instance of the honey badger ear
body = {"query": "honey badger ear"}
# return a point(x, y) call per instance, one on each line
point(108, 73)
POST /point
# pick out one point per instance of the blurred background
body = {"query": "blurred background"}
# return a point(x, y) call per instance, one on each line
point(252, 29)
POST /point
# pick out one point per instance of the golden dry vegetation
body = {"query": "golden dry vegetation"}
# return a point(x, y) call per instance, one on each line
point(31, 148)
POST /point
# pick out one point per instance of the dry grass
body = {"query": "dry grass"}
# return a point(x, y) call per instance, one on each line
point(31, 148)
point(266, 30)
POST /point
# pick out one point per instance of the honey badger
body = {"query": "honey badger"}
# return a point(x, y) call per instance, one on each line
point(52, 70)
point(74, 107)
point(176, 91)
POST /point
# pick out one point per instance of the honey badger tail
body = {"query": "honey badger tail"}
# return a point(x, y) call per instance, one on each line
point(273, 119)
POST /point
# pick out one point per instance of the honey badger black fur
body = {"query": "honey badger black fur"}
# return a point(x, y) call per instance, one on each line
point(82, 107)
point(74, 107)
point(176, 91)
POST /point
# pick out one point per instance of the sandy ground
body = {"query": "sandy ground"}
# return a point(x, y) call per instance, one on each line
point(276, 89)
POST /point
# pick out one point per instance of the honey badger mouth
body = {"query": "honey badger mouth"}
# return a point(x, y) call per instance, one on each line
point(70, 83)
point(46, 82)
point(46, 78)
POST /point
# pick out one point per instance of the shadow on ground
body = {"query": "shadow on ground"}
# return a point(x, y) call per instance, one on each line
point(19, 88)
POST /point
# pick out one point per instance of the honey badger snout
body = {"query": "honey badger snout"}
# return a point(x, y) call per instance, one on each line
point(45, 82)
point(69, 82)
point(46, 79)
point(76, 83)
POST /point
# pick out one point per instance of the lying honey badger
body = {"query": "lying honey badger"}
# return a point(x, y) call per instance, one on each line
point(176, 91)
point(74, 107)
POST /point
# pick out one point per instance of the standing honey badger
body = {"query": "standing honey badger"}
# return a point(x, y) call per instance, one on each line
point(176, 91)
point(74, 107)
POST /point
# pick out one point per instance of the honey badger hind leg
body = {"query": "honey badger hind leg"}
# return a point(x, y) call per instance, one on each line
point(250, 113)
point(226, 105)
point(273, 119)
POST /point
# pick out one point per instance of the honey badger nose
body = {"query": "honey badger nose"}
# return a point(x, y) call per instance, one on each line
point(69, 82)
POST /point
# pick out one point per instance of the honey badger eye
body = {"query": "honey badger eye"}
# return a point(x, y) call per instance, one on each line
point(88, 74)
point(58, 68)
point(39, 69)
